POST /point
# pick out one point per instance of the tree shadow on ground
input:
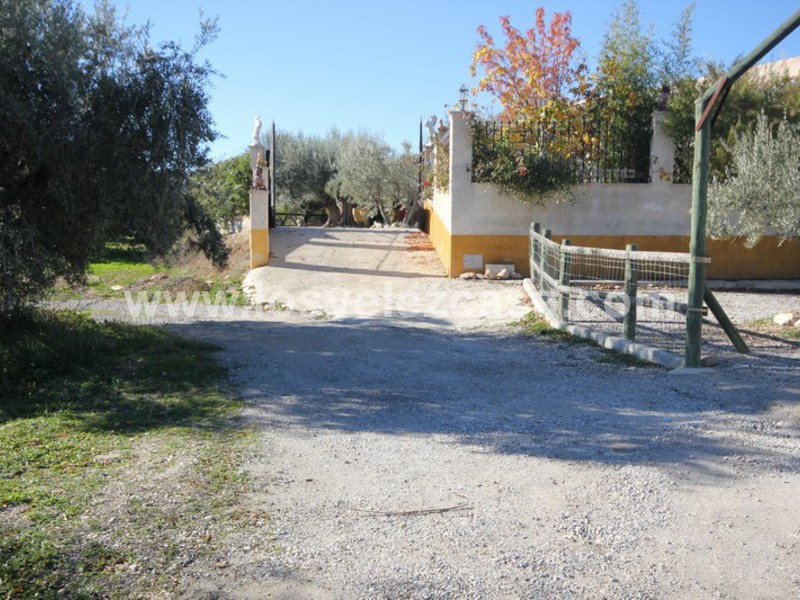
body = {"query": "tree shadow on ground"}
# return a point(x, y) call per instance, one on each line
point(108, 377)
point(508, 394)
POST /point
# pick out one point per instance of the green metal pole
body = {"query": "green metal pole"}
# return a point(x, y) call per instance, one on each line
point(725, 322)
point(697, 247)
point(631, 285)
point(702, 145)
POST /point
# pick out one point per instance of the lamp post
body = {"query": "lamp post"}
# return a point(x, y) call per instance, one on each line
point(462, 99)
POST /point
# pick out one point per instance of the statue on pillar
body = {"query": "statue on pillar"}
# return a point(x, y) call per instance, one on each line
point(258, 174)
point(429, 125)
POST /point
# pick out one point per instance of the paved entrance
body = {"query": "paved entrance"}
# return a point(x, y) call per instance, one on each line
point(377, 275)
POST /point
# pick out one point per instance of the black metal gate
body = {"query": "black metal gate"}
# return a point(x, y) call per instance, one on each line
point(273, 157)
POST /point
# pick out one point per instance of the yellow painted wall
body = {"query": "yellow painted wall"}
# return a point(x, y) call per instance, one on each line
point(259, 248)
point(441, 240)
point(494, 248)
point(730, 259)
point(766, 260)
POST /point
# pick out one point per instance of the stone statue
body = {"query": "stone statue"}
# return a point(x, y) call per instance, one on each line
point(258, 172)
point(257, 131)
point(429, 125)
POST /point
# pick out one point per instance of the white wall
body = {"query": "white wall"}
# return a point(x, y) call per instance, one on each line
point(442, 202)
point(658, 208)
point(598, 209)
point(443, 207)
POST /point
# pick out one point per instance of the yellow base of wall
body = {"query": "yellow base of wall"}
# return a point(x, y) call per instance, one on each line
point(730, 259)
point(440, 238)
point(259, 248)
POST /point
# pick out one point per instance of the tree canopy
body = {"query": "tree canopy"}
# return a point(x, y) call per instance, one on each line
point(563, 120)
point(101, 131)
point(607, 116)
point(759, 192)
point(772, 92)
point(222, 188)
point(533, 70)
point(340, 172)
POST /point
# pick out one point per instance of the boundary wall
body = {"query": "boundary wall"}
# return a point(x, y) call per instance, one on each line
point(478, 222)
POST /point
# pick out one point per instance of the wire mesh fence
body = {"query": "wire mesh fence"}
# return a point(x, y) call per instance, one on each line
point(641, 296)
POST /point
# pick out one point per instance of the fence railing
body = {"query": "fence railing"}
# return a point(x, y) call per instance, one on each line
point(642, 296)
point(591, 149)
point(299, 219)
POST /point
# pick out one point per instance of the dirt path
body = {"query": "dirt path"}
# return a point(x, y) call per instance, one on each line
point(423, 458)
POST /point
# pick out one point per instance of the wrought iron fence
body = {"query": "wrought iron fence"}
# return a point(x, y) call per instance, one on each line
point(590, 146)
point(300, 219)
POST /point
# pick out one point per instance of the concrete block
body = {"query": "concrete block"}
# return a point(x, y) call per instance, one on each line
point(787, 317)
point(495, 269)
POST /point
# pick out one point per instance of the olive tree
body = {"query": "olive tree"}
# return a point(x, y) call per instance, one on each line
point(303, 167)
point(222, 188)
point(759, 194)
point(340, 172)
point(100, 133)
point(362, 174)
point(404, 183)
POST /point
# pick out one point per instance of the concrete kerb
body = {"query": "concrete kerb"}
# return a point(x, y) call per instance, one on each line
point(610, 342)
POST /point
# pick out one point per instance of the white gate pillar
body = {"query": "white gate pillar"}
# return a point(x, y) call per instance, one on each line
point(259, 202)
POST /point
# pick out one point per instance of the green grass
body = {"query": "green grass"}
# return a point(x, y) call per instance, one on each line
point(120, 273)
point(533, 324)
point(226, 286)
point(762, 322)
point(126, 267)
point(121, 265)
point(78, 399)
point(767, 326)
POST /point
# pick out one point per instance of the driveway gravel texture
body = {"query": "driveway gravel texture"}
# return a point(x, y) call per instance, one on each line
point(442, 454)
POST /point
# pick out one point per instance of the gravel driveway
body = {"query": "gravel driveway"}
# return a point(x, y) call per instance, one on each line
point(400, 462)
point(446, 456)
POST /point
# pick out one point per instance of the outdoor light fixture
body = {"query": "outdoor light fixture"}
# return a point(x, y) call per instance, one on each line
point(462, 100)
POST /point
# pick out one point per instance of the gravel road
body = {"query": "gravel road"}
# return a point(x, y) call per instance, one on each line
point(431, 464)
point(440, 458)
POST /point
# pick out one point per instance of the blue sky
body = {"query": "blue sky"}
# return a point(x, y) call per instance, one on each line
point(381, 65)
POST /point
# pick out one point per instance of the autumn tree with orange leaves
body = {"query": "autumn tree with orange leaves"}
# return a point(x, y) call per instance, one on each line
point(536, 71)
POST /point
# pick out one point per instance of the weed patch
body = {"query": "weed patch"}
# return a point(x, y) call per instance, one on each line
point(127, 267)
point(766, 326)
point(533, 324)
